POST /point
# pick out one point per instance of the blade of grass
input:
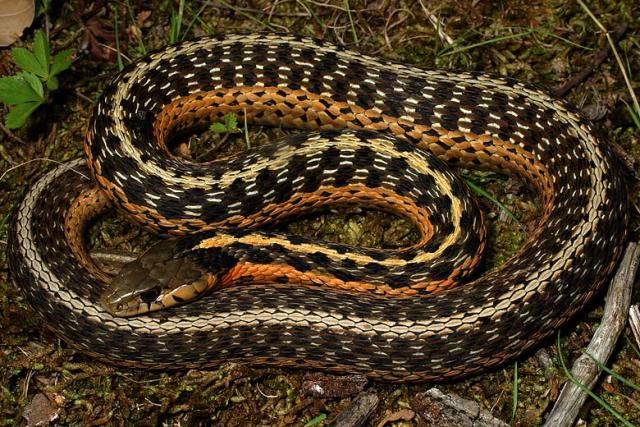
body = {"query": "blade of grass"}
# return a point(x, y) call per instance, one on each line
point(117, 34)
point(196, 16)
point(555, 36)
point(38, 159)
point(634, 116)
point(446, 49)
point(205, 26)
point(484, 43)
point(514, 400)
point(353, 26)
point(633, 347)
point(141, 47)
point(587, 390)
point(481, 192)
point(176, 23)
point(614, 373)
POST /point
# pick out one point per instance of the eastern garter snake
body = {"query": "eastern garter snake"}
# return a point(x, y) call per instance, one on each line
point(466, 119)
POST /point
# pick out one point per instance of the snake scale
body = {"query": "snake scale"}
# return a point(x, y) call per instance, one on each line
point(465, 119)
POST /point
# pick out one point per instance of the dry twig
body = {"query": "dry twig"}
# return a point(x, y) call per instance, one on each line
point(585, 370)
point(439, 26)
point(634, 321)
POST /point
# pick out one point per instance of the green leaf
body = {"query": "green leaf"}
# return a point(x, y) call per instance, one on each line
point(316, 420)
point(61, 61)
point(27, 61)
point(52, 83)
point(231, 122)
point(218, 128)
point(41, 51)
point(34, 82)
point(18, 114)
point(16, 90)
point(12, 90)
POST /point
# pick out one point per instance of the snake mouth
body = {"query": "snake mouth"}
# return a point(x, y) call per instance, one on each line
point(122, 303)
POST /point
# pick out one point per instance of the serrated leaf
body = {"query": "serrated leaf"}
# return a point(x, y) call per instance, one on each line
point(41, 51)
point(10, 92)
point(16, 90)
point(231, 121)
point(217, 128)
point(27, 61)
point(61, 61)
point(19, 113)
point(35, 84)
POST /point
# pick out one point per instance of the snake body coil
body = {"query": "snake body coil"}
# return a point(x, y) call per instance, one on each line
point(467, 119)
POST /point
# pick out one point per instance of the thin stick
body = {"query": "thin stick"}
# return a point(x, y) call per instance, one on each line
point(585, 371)
point(12, 135)
point(40, 159)
point(439, 26)
point(634, 321)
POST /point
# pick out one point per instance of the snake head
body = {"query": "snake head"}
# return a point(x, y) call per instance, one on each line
point(162, 277)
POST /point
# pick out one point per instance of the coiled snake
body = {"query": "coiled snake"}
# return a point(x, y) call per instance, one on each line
point(465, 119)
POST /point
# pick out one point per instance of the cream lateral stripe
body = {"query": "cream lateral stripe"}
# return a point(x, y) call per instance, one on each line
point(223, 239)
point(24, 216)
point(322, 320)
point(43, 274)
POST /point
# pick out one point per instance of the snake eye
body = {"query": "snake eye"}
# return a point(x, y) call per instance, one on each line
point(150, 295)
